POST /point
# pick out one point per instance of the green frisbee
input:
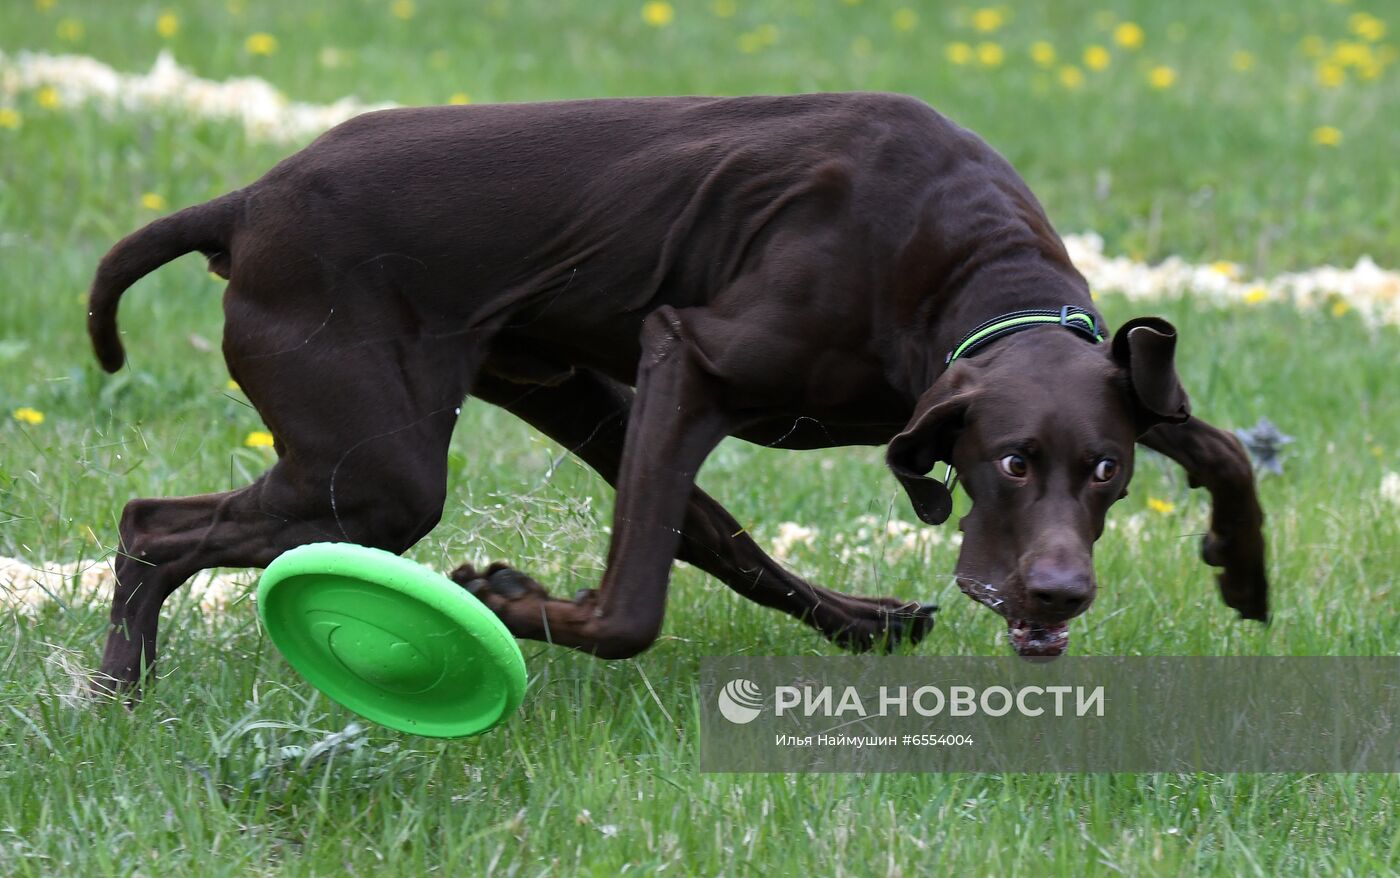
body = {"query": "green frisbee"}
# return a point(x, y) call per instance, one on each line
point(390, 639)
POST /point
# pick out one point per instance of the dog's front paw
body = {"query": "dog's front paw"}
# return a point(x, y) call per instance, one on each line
point(1244, 585)
point(882, 625)
point(499, 583)
point(102, 688)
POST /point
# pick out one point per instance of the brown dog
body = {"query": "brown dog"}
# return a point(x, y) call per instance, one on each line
point(794, 271)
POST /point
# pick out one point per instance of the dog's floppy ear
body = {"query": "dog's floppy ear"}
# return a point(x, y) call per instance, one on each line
point(1145, 348)
point(927, 439)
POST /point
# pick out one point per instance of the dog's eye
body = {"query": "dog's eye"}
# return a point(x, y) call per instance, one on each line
point(1014, 465)
point(1106, 469)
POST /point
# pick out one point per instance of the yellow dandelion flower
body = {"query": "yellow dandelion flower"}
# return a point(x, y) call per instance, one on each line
point(1340, 307)
point(1161, 507)
point(1043, 53)
point(988, 20)
point(1129, 35)
point(260, 44)
point(990, 54)
point(1255, 295)
point(959, 53)
point(724, 8)
point(905, 19)
point(1161, 77)
point(153, 201)
point(1349, 54)
point(168, 24)
point(233, 385)
point(1096, 57)
point(258, 439)
point(750, 42)
point(48, 97)
point(1326, 135)
point(27, 415)
point(1366, 26)
point(1071, 76)
point(403, 10)
point(70, 30)
point(1225, 268)
point(1369, 72)
point(1331, 75)
point(460, 98)
point(1242, 61)
point(658, 13)
point(10, 118)
point(44, 5)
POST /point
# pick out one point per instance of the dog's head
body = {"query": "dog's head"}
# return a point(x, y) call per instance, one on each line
point(1041, 429)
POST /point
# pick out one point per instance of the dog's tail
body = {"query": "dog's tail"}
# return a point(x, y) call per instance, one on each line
point(206, 227)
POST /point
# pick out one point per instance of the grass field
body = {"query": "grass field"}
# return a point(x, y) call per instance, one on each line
point(1231, 132)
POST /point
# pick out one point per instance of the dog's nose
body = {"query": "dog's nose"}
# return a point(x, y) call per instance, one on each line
point(1059, 592)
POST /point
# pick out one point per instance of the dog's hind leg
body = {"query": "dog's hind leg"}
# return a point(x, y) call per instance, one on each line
point(588, 414)
point(361, 427)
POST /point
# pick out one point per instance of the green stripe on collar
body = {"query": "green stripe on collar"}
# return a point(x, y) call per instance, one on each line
point(1069, 316)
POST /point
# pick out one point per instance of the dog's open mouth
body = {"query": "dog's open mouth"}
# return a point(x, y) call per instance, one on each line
point(1038, 639)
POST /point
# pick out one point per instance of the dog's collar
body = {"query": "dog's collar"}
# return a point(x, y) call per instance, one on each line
point(1069, 316)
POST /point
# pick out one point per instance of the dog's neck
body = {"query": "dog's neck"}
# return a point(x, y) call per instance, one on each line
point(966, 302)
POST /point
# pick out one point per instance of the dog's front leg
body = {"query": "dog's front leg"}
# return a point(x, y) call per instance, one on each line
point(675, 422)
point(1215, 460)
point(588, 414)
